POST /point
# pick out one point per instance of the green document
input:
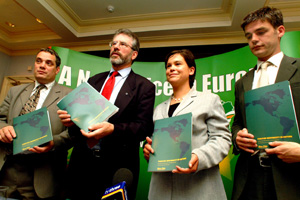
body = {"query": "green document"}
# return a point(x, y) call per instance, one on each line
point(270, 114)
point(32, 129)
point(171, 142)
point(87, 106)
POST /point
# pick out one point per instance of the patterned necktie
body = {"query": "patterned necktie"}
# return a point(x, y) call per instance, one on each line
point(109, 86)
point(32, 102)
point(264, 76)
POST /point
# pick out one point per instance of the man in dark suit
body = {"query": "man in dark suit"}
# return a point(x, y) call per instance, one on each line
point(273, 174)
point(98, 156)
point(36, 175)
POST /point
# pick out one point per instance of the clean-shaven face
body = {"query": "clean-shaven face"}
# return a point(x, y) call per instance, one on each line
point(263, 39)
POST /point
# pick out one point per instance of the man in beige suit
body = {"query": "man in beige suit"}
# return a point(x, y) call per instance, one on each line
point(37, 173)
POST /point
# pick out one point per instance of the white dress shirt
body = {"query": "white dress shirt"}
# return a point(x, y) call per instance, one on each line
point(272, 69)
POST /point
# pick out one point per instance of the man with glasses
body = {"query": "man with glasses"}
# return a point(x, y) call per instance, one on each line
point(109, 153)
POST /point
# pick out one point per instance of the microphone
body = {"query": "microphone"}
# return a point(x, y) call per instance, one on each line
point(122, 180)
point(123, 174)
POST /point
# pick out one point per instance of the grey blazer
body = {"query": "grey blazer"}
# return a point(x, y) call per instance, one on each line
point(210, 142)
point(50, 167)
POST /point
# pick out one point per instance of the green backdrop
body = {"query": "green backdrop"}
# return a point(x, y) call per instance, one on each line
point(216, 74)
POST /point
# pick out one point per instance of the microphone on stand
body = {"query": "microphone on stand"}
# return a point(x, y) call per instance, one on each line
point(122, 180)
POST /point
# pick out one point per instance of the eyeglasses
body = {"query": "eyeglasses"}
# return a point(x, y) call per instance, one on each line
point(122, 45)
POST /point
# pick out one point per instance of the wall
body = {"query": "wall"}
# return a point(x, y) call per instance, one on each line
point(5, 61)
point(19, 64)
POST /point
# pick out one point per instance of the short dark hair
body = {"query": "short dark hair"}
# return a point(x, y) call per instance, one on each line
point(189, 59)
point(52, 52)
point(272, 15)
point(129, 33)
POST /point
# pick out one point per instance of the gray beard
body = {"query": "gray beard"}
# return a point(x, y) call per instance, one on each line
point(118, 61)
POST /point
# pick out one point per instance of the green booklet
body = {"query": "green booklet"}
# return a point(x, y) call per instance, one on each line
point(87, 106)
point(171, 142)
point(270, 114)
point(32, 129)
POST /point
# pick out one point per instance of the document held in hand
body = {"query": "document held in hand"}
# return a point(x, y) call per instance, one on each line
point(87, 106)
point(270, 114)
point(32, 129)
point(171, 142)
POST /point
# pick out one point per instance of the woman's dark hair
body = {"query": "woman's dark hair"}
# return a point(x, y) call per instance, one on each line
point(189, 59)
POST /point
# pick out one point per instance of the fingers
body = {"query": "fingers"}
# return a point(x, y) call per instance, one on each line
point(275, 144)
point(193, 165)
point(193, 161)
point(44, 149)
point(7, 134)
point(147, 150)
point(149, 140)
point(271, 151)
point(65, 118)
point(180, 170)
point(99, 130)
point(245, 141)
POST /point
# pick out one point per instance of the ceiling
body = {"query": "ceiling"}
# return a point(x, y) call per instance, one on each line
point(88, 25)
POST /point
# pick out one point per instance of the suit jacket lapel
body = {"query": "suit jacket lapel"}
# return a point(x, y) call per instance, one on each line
point(248, 80)
point(286, 69)
point(22, 99)
point(126, 93)
point(165, 108)
point(100, 81)
point(52, 96)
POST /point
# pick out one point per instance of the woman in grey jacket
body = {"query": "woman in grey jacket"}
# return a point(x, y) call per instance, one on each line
point(211, 138)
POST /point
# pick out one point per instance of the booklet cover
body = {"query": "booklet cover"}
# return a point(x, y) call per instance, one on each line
point(32, 129)
point(171, 142)
point(270, 114)
point(87, 106)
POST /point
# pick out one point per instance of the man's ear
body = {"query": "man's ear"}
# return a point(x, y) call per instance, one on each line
point(134, 55)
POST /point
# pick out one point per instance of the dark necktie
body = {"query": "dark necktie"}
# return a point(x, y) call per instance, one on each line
point(32, 102)
point(109, 86)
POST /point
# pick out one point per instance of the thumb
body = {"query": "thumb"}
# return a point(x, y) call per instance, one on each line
point(275, 144)
point(193, 160)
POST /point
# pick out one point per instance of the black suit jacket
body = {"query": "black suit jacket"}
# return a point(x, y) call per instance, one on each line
point(286, 176)
point(132, 123)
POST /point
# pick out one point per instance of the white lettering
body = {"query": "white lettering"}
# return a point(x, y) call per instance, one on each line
point(229, 78)
point(206, 83)
point(65, 76)
point(158, 86)
point(168, 90)
point(221, 84)
point(83, 77)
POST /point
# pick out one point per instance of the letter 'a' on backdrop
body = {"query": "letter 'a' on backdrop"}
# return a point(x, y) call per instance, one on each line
point(216, 74)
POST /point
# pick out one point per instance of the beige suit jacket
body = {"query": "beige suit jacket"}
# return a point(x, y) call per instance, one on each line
point(48, 167)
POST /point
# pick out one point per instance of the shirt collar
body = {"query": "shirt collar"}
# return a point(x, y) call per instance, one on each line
point(275, 60)
point(123, 72)
point(48, 85)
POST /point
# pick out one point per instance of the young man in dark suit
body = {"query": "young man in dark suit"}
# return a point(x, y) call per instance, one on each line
point(37, 175)
point(98, 156)
point(265, 175)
